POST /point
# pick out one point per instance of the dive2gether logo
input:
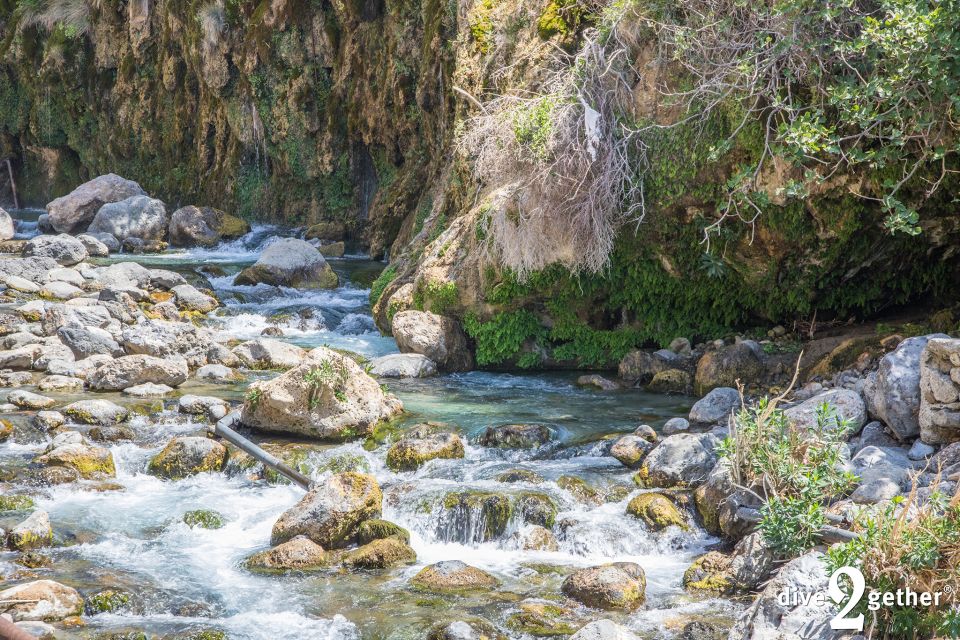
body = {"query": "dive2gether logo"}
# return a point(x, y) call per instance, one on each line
point(848, 601)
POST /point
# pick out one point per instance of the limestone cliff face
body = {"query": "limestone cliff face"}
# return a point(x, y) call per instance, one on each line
point(291, 110)
point(348, 111)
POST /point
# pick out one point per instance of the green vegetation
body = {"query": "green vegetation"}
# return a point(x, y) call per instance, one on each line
point(500, 339)
point(798, 469)
point(327, 375)
point(107, 601)
point(386, 277)
point(563, 17)
point(438, 297)
point(908, 544)
point(203, 518)
point(15, 503)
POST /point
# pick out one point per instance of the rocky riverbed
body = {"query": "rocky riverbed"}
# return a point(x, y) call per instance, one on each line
point(447, 502)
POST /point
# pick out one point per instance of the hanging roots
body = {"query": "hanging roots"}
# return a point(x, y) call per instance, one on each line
point(570, 169)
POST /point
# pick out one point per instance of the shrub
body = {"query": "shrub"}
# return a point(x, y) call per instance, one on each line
point(909, 544)
point(798, 471)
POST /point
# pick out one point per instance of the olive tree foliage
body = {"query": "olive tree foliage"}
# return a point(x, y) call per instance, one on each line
point(837, 87)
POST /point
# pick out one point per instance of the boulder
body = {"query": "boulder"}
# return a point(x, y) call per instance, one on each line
point(453, 576)
point(94, 245)
point(210, 406)
point(162, 339)
point(437, 337)
point(597, 381)
point(805, 616)
point(7, 228)
point(28, 400)
point(187, 456)
point(684, 459)
point(33, 269)
point(110, 242)
point(102, 412)
point(59, 291)
point(381, 554)
point(671, 381)
point(265, 353)
point(675, 425)
point(218, 373)
point(332, 250)
point(328, 396)
point(330, 514)
point(939, 413)
point(892, 393)
point(74, 211)
point(64, 249)
point(90, 463)
point(533, 537)
point(289, 262)
point(640, 367)
point(403, 365)
point(715, 407)
point(847, 404)
point(515, 436)
point(630, 450)
point(410, 454)
point(603, 630)
point(129, 371)
point(138, 216)
point(619, 586)
point(717, 501)
point(166, 279)
point(88, 341)
point(192, 299)
point(656, 510)
point(377, 529)
point(49, 420)
point(32, 533)
point(42, 600)
point(123, 275)
point(298, 554)
point(67, 274)
point(725, 366)
point(111, 433)
point(192, 226)
point(20, 284)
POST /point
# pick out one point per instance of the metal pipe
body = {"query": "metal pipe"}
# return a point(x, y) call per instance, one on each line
point(10, 631)
point(223, 429)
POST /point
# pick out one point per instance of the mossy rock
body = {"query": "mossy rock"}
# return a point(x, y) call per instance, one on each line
point(657, 511)
point(33, 560)
point(519, 475)
point(536, 508)
point(187, 456)
point(493, 509)
point(453, 576)
point(541, 620)
point(297, 554)
point(89, 462)
point(671, 381)
point(344, 462)
point(203, 518)
point(579, 489)
point(106, 601)
point(6, 430)
point(377, 529)
point(381, 554)
point(16, 503)
point(411, 453)
point(710, 574)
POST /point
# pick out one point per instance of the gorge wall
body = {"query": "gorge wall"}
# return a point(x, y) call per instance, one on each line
point(318, 111)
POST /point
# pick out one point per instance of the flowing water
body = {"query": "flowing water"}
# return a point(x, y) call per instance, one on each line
point(131, 536)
